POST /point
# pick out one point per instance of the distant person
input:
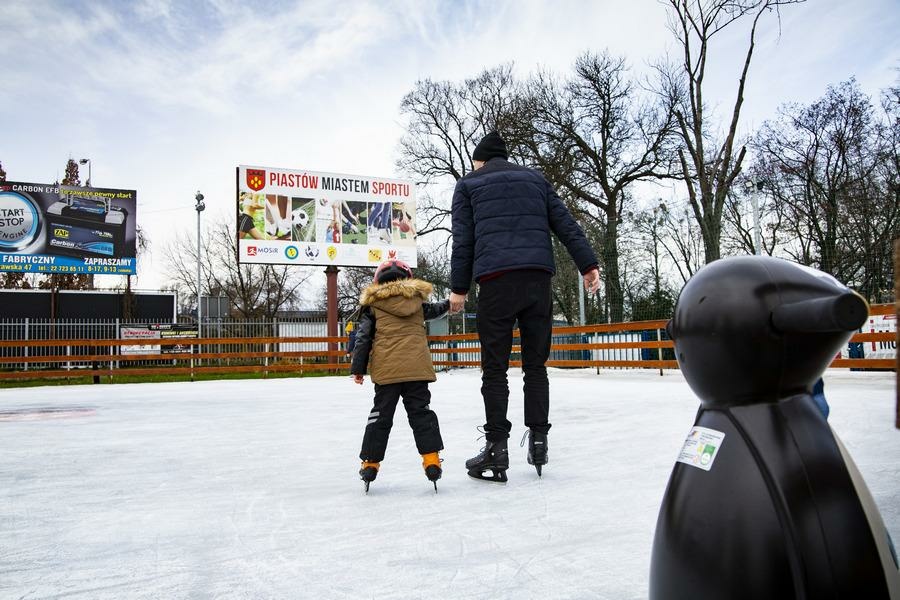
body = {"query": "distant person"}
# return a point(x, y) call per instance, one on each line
point(502, 218)
point(818, 396)
point(350, 331)
point(246, 223)
point(391, 344)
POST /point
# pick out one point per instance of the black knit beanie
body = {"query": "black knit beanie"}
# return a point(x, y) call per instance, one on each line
point(490, 146)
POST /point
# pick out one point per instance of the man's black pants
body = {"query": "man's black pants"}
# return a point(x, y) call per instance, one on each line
point(523, 296)
point(422, 419)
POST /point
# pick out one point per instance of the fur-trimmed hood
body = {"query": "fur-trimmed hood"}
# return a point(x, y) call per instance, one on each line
point(400, 297)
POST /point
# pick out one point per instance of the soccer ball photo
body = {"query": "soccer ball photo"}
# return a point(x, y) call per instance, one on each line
point(300, 218)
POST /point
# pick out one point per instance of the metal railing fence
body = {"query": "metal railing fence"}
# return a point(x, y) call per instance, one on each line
point(70, 355)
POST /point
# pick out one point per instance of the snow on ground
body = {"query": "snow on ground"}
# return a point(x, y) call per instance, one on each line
point(248, 489)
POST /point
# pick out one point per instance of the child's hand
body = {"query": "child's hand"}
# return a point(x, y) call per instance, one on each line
point(457, 302)
point(358, 379)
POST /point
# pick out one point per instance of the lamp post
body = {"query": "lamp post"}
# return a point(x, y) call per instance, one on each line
point(199, 206)
point(754, 187)
point(87, 161)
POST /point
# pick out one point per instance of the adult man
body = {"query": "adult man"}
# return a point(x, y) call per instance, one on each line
point(503, 215)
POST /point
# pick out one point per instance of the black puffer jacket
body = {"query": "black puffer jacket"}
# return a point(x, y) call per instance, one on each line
point(503, 215)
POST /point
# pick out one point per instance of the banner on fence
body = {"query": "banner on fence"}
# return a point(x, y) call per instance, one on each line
point(62, 229)
point(874, 350)
point(315, 218)
point(152, 333)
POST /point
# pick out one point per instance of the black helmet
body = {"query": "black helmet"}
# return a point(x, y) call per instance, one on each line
point(390, 270)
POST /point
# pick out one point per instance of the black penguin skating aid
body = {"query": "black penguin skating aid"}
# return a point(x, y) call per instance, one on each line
point(764, 501)
point(494, 459)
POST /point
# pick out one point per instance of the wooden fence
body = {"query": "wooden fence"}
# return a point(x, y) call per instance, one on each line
point(66, 358)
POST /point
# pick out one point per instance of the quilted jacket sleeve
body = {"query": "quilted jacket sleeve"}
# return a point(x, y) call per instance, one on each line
point(365, 333)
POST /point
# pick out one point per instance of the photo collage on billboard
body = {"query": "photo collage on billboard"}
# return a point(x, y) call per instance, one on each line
point(276, 217)
point(322, 224)
point(353, 222)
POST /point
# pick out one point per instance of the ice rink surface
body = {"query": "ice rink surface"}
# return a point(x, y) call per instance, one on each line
point(249, 489)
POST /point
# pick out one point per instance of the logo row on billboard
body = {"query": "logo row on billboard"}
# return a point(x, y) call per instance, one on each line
point(374, 255)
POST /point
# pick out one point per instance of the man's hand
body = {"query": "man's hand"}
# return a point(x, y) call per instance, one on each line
point(358, 379)
point(457, 302)
point(592, 281)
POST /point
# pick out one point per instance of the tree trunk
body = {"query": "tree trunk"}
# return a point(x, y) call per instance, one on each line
point(610, 264)
point(712, 235)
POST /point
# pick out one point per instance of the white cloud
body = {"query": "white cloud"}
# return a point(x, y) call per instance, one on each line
point(168, 97)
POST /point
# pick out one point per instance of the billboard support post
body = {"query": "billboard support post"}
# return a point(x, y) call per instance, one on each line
point(331, 273)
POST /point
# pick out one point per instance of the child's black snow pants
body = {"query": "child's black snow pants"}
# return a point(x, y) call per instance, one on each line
point(424, 422)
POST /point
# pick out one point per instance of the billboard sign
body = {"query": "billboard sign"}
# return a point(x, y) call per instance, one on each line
point(61, 229)
point(153, 333)
point(293, 217)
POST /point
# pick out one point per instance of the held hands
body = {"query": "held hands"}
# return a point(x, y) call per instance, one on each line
point(591, 281)
point(358, 379)
point(457, 302)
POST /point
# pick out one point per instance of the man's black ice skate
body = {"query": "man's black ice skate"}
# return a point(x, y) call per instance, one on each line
point(537, 449)
point(491, 464)
point(368, 473)
point(432, 464)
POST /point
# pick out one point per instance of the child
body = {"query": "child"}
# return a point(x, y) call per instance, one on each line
point(390, 341)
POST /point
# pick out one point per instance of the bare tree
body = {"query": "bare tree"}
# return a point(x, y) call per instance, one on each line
point(738, 220)
point(351, 282)
point(445, 121)
point(681, 242)
point(566, 285)
point(72, 177)
point(13, 280)
point(2, 173)
point(593, 136)
point(142, 245)
point(254, 291)
point(833, 167)
point(709, 162)
point(647, 288)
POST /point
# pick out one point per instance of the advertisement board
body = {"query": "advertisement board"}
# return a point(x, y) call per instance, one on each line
point(152, 334)
point(60, 229)
point(315, 218)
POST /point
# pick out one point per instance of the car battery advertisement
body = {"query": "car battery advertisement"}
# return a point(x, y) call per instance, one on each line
point(46, 228)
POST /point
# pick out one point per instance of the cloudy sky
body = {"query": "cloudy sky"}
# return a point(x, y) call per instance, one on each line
point(168, 97)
